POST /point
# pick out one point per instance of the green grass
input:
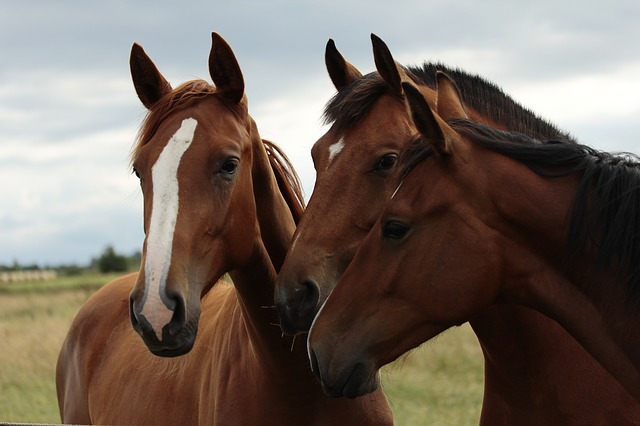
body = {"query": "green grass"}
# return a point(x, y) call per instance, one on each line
point(85, 281)
point(439, 383)
point(32, 328)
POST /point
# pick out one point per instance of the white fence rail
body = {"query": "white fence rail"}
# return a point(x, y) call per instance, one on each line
point(36, 275)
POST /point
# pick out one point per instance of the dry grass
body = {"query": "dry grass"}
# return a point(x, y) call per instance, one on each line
point(32, 328)
point(440, 383)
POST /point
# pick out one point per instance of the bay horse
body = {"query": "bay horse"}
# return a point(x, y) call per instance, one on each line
point(217, 199)
point(534, 370)
point(487, 217)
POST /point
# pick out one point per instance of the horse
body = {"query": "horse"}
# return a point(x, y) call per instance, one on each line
point(217, 199)
point(487, 217)
point(534, 370)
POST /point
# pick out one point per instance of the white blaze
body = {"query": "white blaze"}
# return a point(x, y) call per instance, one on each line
point(335, 149)
point(164, 215)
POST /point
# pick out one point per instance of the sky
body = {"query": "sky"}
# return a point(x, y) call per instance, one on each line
point(69, 113)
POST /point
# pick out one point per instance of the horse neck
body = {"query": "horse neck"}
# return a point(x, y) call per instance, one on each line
point(532, 219)
point(587, 309)
point(255, 280)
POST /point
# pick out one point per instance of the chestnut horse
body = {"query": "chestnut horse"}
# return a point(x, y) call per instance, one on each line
point(534, 370)
point(488, 217)
point(217, 199)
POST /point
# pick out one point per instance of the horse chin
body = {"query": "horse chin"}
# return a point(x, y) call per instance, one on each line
point(361, 382)
point(351, 382)
point(172, 345)
point(173, 352)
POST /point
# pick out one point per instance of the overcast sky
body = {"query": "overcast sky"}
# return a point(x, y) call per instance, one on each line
point(69, 114)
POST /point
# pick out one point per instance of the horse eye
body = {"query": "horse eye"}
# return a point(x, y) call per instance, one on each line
point(386, 162)
point(229, 166)
point(135, 172)
point(395, 230)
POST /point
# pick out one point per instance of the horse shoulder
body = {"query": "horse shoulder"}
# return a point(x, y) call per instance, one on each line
point(84, 344)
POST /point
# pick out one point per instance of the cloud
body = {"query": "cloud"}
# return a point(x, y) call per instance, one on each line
point(65, 140)
point(293, 121)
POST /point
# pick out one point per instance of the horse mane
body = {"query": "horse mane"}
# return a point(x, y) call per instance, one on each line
point(287, 178)
point(606, 206)
point(351, 104)
point(193, 91)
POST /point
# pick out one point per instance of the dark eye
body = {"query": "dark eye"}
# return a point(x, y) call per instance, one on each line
point(135, 172)
point(386, 162)
point(395, 230)
point(229, 166)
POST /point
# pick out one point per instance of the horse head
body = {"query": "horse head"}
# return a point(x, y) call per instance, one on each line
point(193, 159)
point(355, 164)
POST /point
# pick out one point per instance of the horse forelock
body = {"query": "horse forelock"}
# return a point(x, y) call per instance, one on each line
point(351, 105)
point(181, 97)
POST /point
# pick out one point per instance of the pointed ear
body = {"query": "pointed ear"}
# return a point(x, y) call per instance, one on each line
point(425, 120)
point(341, 72)
point(449, 99)
point(386, 65)
point(224, 69)
point(150, 85)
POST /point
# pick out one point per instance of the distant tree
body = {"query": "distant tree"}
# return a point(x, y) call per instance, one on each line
point(110, 261)
point(70, 269)
point(134, 261)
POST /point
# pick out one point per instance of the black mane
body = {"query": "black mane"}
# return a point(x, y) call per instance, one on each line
point(606, 207)
point(351, 104)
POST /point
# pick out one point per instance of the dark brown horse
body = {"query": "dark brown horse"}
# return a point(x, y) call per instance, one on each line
point(534, 370)
point(485, 218)
point(217, 199)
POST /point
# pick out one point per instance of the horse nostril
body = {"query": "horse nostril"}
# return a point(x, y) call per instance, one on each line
point(132, 313)
point(306, 298)
point(178, 320)
point(175, 326)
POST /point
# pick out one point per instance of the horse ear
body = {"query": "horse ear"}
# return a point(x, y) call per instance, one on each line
point(425, 120)
point(150, 85)
point(341, 72)
point(386, 65)
point(224, 69)
point(449, 99)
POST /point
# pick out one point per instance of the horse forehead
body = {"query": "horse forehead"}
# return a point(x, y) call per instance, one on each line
point(171, 153)
point(386, 122)
point(328, 150)
point(387, 112)
point(429, 187)
point(220, 121)
point(218, 128)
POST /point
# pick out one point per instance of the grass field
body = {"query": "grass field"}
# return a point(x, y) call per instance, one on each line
point(439, 383)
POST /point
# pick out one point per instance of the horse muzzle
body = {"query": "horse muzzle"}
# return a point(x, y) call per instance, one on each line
point(297, 308)
point(342, 378)
point(176, 338)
